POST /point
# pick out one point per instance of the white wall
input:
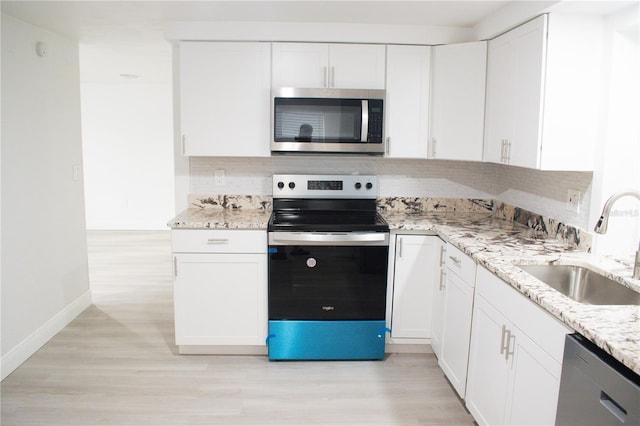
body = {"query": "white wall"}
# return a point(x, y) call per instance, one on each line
point(619, 151)
point(45, 281)
point(128, 154)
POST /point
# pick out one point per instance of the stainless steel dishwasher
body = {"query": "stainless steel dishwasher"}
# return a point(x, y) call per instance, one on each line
point(595, 388)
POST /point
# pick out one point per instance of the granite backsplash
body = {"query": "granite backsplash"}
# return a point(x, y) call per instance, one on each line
point(545, 227)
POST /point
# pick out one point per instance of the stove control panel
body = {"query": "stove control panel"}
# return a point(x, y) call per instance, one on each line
point(325, 186)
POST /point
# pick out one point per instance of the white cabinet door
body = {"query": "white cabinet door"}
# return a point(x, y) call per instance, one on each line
point(357, 66)
point(300, 65)
point(224, 98)
point(458, 306)
point(437, 310)
point(515, 358)
point(514, 95)
point(488, 366)
point(415, 274)
point(319, 65)
point(529, 52)
point(458, 101)
point(407, 108)
point(532, 392)
point(220, 299)
point(459, 280)
point(543, 79)
point(499, 100)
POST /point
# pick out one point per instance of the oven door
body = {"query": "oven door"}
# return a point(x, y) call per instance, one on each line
point(328, 276)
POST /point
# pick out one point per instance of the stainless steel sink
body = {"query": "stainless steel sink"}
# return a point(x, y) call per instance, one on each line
point(583, 285)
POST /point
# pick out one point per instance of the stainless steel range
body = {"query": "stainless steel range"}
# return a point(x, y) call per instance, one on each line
point(328, 250)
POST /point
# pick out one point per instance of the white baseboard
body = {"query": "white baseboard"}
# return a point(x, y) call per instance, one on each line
point(19, 354)
point(222, 350)
point(391, 348)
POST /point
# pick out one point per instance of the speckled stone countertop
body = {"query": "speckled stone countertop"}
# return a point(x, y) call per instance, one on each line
point(224, 212)
point(498, 245)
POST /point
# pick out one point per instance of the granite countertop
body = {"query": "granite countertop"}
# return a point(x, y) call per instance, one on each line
point(199, 218)
point(498, 245)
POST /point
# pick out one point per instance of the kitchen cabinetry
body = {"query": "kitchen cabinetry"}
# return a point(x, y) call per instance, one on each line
point(224, 98)
point(543, 81)
point(407, 108)
point(437, 310)
point(516, 357)
point(458, 283)
point(458, 101)
point(317, 65)
point(415, 272)
point(220, 288)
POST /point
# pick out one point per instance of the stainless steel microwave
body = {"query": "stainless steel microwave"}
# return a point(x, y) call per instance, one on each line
point(345, 121)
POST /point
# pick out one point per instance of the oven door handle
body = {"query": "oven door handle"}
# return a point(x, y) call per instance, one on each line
point(344, 238)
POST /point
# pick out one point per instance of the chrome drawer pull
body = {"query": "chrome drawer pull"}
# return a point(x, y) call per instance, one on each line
point(217, 241)
point(455, 260)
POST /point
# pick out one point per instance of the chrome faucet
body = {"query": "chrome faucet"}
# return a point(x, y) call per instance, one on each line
point(603, 223)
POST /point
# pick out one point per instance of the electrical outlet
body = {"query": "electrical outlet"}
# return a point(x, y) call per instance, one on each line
point(219, 178)
point(573, 200)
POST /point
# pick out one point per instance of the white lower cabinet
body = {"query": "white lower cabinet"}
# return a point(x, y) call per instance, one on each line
point(220, 288)
point(515, 357)
point(437, 310)
point(458, 288)
point(415, 272)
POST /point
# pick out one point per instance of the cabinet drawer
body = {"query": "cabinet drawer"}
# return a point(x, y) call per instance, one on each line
point(460, 264)
point(218, 241)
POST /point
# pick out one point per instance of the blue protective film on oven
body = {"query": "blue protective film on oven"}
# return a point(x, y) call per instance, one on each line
point(326, 340)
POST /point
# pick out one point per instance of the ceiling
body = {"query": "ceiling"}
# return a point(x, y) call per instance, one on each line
point(93, 21)
point(127, 37)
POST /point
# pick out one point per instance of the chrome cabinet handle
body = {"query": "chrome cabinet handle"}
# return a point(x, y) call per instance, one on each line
point(325, 82)
point(505, 343)
point(455, 260)
point(433, 147)
point(507, 152)
point(175, 267)
point(184, 144)
point(217, 241)
point(502, 146)
point(443, 274)
point(400, 248)
point(504, 331)
point(443, 250)
point(332, 77)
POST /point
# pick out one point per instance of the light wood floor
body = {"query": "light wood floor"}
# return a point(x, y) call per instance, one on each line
point(117, 364)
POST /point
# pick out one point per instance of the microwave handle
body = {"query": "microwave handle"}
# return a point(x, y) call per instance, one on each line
point(364, 133)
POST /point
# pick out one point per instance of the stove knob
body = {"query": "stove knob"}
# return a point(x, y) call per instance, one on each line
point(358, 185)
point(369, 185)
point(280, 185)
point(292, 185)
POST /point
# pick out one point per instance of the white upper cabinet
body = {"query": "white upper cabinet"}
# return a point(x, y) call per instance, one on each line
point(224, 98)
point(407, 108)
point(543, 83)
point(458, 101)
point(317, 65)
